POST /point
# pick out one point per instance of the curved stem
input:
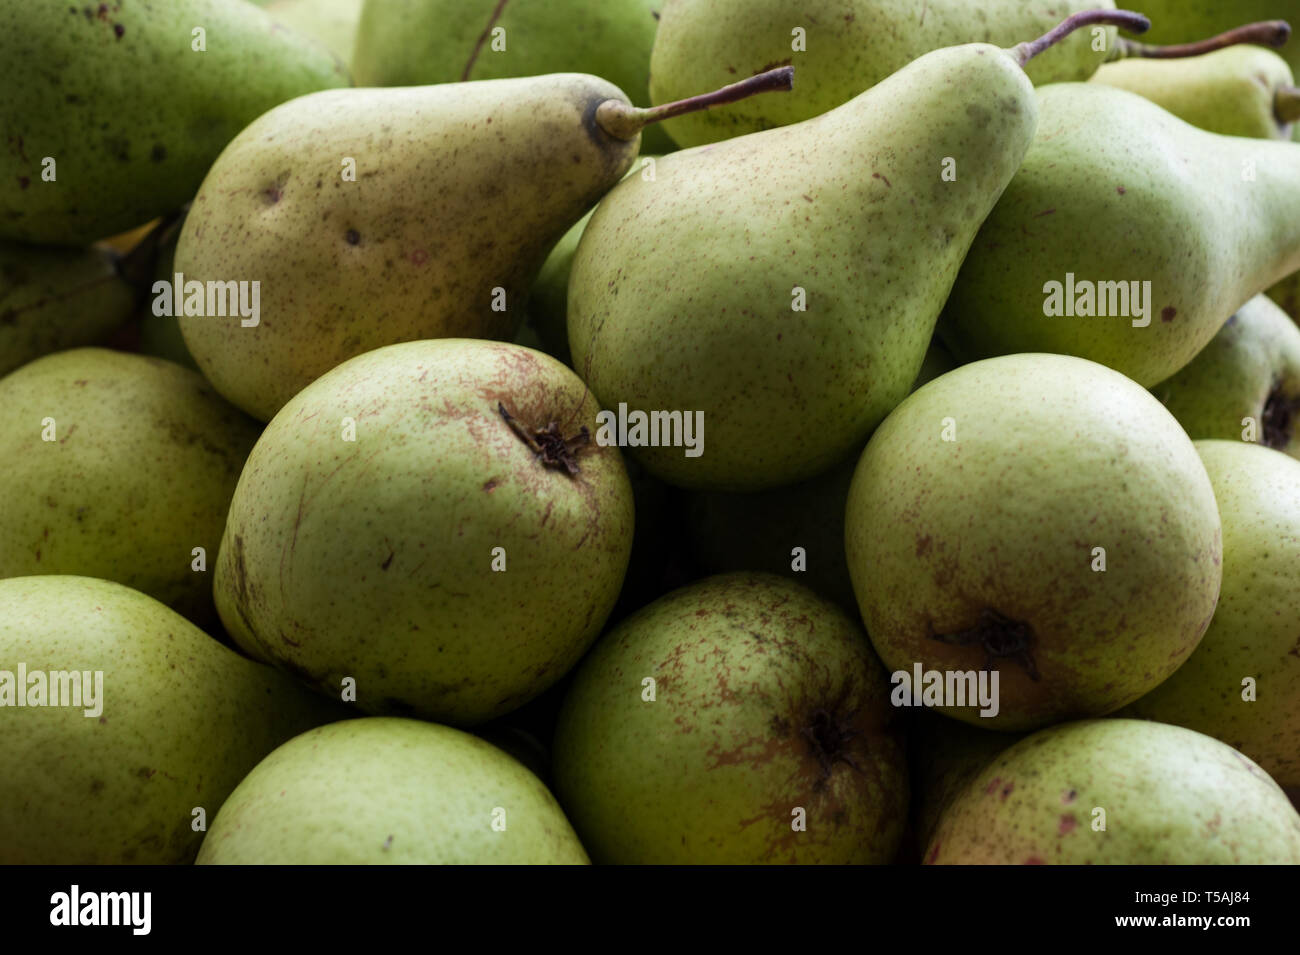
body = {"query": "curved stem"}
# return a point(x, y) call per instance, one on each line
point(1272, 33)
point(1286, 104)
point(1125, 19)
point(623, 121)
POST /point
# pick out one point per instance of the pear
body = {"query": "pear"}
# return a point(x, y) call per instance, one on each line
point(1245, 384)
point(114, 112)
point(373, 216)
point(1127, 237)
point(1099, 792)
point(760, 282)
point(1237, 91)
point(795, 531)
point(416, 42)
point(390, 791)
point(331, 23)
point(1242, 685)
point(840, 49)
point(739, 720)
point(1286, 294)
point(118, 466)
point(175, 722)
point(1042, 517)
point(548, 301)
point(52, 299)
point(431, 524)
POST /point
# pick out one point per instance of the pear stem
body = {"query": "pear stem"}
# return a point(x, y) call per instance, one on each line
point(1124, 19)
point(1272, 33)
point(625, 122)
point(1286, 104)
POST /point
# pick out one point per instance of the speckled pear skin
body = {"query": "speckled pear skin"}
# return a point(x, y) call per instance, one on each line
point(1053, 457)
point(1230, 91)
point(55, 298)
point(1250, 369)
point(373, 559)
point(1253, 633)
point(141, 471)
point(394, 792)
point(417, 42)
point(851, 45)
point(1034, 804)
point(1152, 200)
point(681, 295)
point(456, 194)
point(755, 676)
point(183, 720)
point(84, 89)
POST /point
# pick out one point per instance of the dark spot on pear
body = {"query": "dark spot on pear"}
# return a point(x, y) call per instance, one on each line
point(159, 152)
point(1167, 313)
point(353, 237)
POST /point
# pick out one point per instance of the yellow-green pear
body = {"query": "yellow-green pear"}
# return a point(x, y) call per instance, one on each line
point(124, 726)
point(54, 298)
point(332, 23)
point(1118, 792)
point(392, 792)
point(118, 466)
point(1127, 237)
point(1238, 91)
point(768, 286)
point(1245, 384)
point(352, 219)
point(1242, 685)
point(113, 112)
point(433, 527)
point(739, 720)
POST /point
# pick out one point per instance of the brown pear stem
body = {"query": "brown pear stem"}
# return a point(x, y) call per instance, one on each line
point(136, 267)
point(1272, 33)
point(1124, 19)
point(1286, 104)
point(624, 122)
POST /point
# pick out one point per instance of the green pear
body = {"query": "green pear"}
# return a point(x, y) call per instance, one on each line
point(52, 299)
point(1126, 237)
point(943, 756)
point(417, 42)
point(1042, 517)
point(764, 283)
point(840, 48)
point(433, 522)
point(366, 217)
point(1242, 685)
point(548, 301)
point(160, 335)
point(114, 112)
point(739, 720)
point(162, 722)
point(390, 791)
point(1245, 384)
point(118, 466)
point(795, 531)
point(332, 23)
point(1118, 792)
point(1238, 91)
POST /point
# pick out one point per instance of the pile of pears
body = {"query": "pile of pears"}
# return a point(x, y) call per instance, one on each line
point(649, 431)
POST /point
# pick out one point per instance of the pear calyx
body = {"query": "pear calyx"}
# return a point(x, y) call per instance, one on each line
point(549, 444)
point(999, 637)
point(1124, 19)
point(625, 122)
point(1272, 33)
